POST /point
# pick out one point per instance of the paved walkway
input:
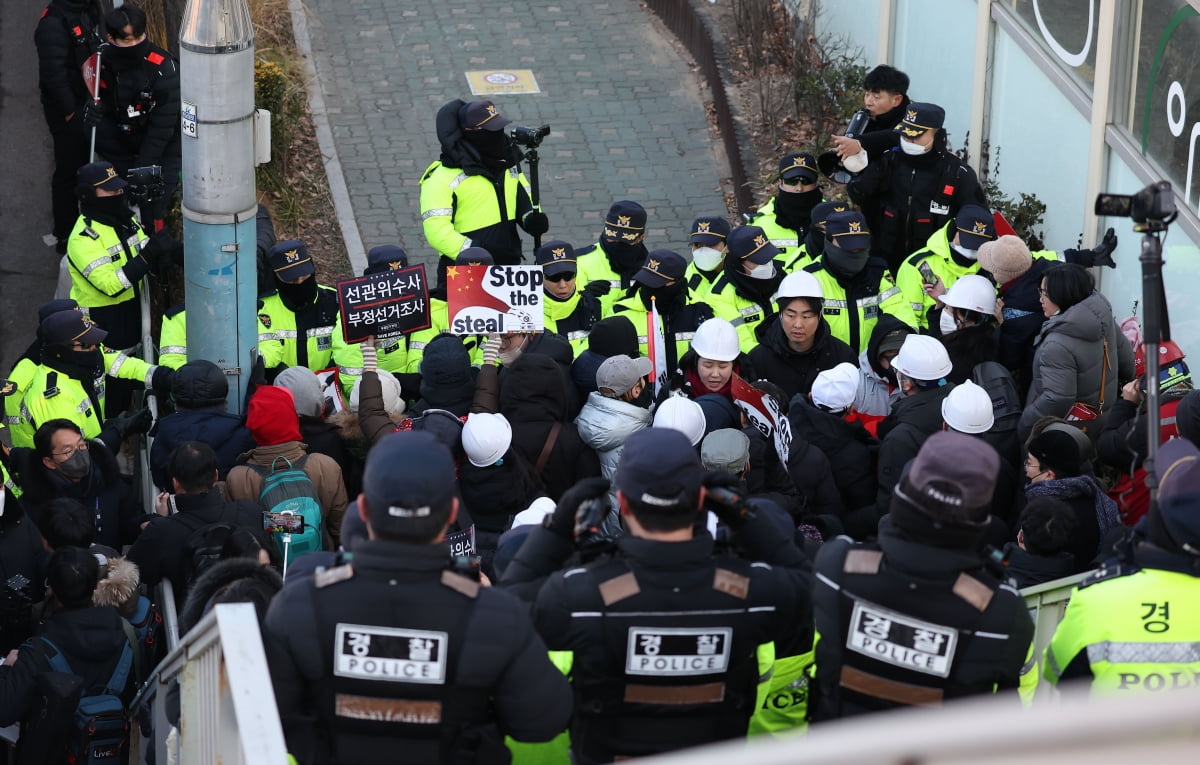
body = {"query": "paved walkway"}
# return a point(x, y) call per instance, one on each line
point(626, 111)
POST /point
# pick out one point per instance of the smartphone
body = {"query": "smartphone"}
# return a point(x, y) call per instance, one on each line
point(283, 523)
point(927, 274)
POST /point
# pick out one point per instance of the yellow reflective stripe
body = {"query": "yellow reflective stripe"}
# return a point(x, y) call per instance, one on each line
point(785, 242)
point(286, 334)
point(118, 362)
point(1115, 652)
point(150, 375)
point(578, 334)
point(416, 345)
point(918, 308)
point(832, 303)
point(84, 406)
point(181, 349)
point(457, 180)
point(680, 336)
point(438, 212)
point(352, 371)
point(12, 419)
point(123, 279)
point(319, 332)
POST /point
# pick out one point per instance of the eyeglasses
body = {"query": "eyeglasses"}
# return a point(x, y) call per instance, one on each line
point(797, 181)
point(69, 452)
point(564, 276)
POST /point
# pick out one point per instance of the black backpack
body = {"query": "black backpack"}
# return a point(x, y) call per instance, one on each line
point(1006, 402)
point(202, 550)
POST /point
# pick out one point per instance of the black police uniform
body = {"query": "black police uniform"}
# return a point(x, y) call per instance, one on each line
point(395, 656)
point(140, 101)
point(664, 634)
point(903, 623)
point(65, 37)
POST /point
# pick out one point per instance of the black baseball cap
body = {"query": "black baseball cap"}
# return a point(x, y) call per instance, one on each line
point(848, 230)
point(711, 229)
point(556, 257)
point(751, 243)
point(798, 166)
point(975, 226)
point(482, 115)
point(100, 175)
point(385, 257)
point(661, 268)
point(660, 468)
point(66, 327)
point(290, 260)
point(409, 476)
point(921, 117)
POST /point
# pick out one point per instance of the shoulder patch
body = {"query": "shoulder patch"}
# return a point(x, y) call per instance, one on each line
point(7, 387)
point(918, 256)
point(813, 268)
point(585, 250)
point(973, 591)
point(328, 576)
point(730, 583)
point(460, 583)
point(858, 561)
point(174, 311)
point(265, 319)
point(89, 233)
point(1110, 570)
point(619, 588)
point(430, 170)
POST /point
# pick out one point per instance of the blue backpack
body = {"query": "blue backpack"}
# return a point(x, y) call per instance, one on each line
point(99, 732)
point(290, 491)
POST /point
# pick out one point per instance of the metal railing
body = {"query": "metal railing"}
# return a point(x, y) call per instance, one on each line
point(227, 703)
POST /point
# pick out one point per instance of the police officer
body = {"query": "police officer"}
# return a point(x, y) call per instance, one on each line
point(399, 650)
point(743, 294)
point(301, 313)
point(137, 119)
point(785, 217)
point(708, 240)
point(69, 384)
point(1130, 626)
point(610, 263)
point(569, 311)
point(857, 286)
point(951, 252)
point(475, 195)
point(916, 618)
point(915, 188)
point(661, 278)
point(663, 633)
point(813, 246)
point(65, 37)
point(172, 340)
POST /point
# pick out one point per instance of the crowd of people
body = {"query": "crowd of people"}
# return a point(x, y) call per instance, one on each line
point(872, 422)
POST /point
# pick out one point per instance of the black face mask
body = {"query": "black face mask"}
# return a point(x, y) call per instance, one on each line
point(645, 398)
point(625, 259)
point(793, 209)
point(663, 296)
point(87, 359)
point(297, 296)
point(493, 147)
point(814, 242)
point(130, 53)
point(107, 210)
point(843, 263)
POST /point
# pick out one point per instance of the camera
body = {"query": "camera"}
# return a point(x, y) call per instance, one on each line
point(1156, 202)
point(529, 137)
point(145, 183)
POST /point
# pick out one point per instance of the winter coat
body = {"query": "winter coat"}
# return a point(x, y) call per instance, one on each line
point(21, 554)
point(768, 478)
point(218, 578)
point(605, 424)
point(913, 419)
point(324, 436)
point(1027, 569)
point(246, 483)
point(967, 347)
point(1096, 512)
point(794, 372)
point(1068, 364)
point(1023, 320)
point(115, 504)
point(850, 454)
point(533, 399)
point(224, 431)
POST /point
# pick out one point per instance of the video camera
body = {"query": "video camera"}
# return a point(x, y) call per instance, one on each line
point(529, 137)
point(1153, 204)
point(145, 183)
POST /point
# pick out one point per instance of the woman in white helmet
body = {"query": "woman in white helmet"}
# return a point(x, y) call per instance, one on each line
point(968, 324)
point(712, 361)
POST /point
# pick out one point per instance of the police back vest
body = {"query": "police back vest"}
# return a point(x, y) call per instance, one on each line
point(306, 337)
point(937, 646)
point(392, 688)
point(662, 671)
point(852, 312)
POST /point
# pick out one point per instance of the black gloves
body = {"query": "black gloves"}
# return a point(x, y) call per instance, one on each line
point(725, 499)
point(535, 223)
point(93, 113)
point(136, 268)
point(599, 288)
point(161, 381)
point(163, 248)
point(132, 423)
point(581, 509)
point(1100, 255)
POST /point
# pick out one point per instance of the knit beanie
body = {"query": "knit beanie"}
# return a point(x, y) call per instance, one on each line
point(393, 402)
point(446, 372)
point(1006, 259)
point(305, 388)
point(614, 336)
point(271, 416)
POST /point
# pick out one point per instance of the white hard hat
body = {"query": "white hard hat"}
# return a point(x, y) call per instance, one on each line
point(393, 401)
point(968, 409)
point(973, 293)
point(485, 438)
point(922, 358)
point(716, 339)
point(535, 513)
point(799, 284)
point(835, 389)
point(682, 414)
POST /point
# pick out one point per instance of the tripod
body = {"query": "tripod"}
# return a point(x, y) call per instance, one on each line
point(1156, 329)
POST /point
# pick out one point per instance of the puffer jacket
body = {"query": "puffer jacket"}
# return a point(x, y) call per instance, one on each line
point(913, 419)
point(605, 424)
point(1068, 362)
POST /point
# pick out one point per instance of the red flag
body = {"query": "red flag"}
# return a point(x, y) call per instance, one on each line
point(1002, 226)
point(464, 287)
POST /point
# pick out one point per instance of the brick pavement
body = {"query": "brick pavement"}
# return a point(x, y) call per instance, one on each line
point(626, 110)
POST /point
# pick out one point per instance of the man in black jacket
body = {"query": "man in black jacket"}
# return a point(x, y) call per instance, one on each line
point(917, 618)
point(663, 633)
point(65, 37)
point(165, 549)
point(94, 640)
point(403, 651)
point(915, 188)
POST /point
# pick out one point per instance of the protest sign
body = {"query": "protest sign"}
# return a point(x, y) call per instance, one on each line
point(387, 303)
point(501, 299)
point(764, 414)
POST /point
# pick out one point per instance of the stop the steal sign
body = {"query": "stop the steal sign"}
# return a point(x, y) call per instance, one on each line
point(674, 651)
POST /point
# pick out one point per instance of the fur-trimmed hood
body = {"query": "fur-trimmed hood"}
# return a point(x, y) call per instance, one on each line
point(217, 579)
point(119, 586)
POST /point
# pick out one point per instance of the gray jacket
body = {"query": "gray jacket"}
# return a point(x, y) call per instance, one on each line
point(1068, 362)
point(605, 424)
